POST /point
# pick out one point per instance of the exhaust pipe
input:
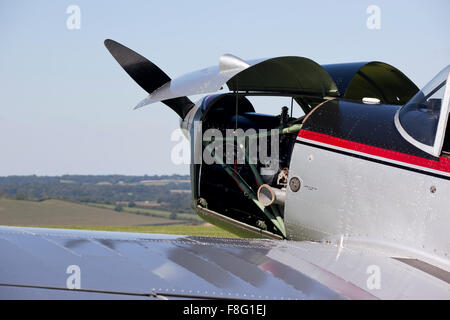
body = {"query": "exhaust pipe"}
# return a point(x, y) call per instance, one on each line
point(268, 195)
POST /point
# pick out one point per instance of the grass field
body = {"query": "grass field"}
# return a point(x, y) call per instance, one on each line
point(68, 215)
point(63, 213)
point(202, 230)
point(151, 212)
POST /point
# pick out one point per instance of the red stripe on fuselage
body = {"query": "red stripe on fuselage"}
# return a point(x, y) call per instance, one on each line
point(442, 165)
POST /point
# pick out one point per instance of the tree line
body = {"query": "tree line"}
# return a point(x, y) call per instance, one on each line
point(112, 189)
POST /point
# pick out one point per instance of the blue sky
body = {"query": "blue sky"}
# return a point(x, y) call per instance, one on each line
point(66, 105)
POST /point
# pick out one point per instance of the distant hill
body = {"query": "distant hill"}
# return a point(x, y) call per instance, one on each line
point(63, 213)
point(105, 189)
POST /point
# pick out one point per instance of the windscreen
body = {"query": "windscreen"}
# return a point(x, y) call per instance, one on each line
point(420, 116)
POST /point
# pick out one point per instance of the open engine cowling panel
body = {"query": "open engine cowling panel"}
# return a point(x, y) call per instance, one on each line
point(230, 187)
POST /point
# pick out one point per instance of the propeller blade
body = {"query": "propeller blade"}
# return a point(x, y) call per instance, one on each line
point(146, 74)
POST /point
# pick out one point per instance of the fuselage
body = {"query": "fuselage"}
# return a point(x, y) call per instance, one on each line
point(359, 181)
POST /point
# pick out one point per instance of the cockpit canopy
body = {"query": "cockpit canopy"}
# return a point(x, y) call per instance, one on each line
point(358, 80)
point(301, 78)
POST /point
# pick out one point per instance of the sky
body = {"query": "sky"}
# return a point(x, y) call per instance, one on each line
point(66, 106)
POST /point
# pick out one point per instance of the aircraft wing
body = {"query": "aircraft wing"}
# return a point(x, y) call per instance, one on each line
point(73, 264)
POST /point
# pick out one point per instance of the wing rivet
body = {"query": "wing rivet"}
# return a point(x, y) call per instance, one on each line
point(433, 189)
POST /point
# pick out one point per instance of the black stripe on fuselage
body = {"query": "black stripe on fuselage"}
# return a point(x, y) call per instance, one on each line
point(427, 268)
point(399, 166)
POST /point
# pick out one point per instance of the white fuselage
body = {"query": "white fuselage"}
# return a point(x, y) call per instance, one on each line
point(367, 197)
